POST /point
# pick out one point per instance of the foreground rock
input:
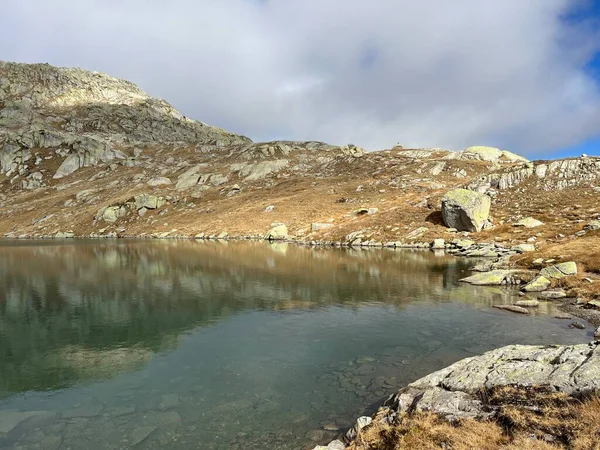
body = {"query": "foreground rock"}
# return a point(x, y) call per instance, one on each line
point(465, 210)
point(458, 391)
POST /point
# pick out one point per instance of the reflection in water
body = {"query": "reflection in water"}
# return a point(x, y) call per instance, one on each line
point(189, 341)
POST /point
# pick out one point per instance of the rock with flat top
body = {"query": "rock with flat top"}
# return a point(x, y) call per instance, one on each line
point(455, 390)
point(513, 308)
point(278, 231)
point(528, 222)
point(559, 271)
point(538, 284)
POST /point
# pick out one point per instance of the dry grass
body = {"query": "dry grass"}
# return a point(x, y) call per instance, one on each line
point(528, 419)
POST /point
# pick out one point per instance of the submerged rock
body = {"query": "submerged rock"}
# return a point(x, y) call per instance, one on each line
point(513, 308)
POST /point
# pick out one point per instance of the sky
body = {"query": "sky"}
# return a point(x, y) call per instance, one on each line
point(522, 75)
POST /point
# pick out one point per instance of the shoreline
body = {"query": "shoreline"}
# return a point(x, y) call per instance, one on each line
point(499, 261)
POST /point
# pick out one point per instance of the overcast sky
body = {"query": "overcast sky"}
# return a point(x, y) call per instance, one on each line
point(517, 74)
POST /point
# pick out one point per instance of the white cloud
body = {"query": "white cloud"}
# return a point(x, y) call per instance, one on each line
point(427, 73)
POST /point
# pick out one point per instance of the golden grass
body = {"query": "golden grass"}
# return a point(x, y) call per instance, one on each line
point(528, 419)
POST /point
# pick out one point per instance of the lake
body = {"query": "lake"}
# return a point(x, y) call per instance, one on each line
point(180, 344)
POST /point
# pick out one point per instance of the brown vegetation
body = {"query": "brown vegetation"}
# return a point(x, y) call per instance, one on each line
point(528, 419)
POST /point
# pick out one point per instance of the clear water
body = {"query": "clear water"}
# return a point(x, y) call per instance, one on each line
point(179, 344)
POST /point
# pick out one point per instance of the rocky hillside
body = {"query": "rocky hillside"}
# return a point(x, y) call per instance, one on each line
point(85, 154)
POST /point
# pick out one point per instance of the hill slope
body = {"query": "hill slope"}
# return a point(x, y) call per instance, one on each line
point(86, 153)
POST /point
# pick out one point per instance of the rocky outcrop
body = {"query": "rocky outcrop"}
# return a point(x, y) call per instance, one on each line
point(85, 118)
point(455, 391)
point(465, 210)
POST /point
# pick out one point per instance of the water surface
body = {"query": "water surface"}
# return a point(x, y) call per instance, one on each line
point(182, 344)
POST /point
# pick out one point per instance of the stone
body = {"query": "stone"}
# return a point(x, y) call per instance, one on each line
point(9, 420)
point(159, 181)
point(438, 244)
point(597, 333)
point(69, 165)
point(465, 210)
point(528, 222)
point(513, 308)
point(492, 278)
point(149, 201)
point(455, 390)
point(523, 248)
point(559, 271)
point(592, 225)
point(527, 303)
point(554, 294)
point(320, 226)
point(270, 208)
point(538, 284)
point(361, 422)
point(85, 410)
point(577, 325)
point(140, 434)
point(278, 231)
point(169, 401)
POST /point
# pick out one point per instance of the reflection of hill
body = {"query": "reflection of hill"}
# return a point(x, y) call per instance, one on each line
point(69, 307)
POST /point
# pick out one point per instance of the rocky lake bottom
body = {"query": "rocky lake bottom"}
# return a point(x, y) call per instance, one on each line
point(223, 345)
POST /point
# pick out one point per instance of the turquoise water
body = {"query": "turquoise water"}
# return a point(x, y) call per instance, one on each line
point(182, 344)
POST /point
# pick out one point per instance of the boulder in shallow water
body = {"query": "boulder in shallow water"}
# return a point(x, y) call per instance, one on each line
point(465, 210)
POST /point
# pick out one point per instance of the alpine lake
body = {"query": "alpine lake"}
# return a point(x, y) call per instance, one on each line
point(177, 344)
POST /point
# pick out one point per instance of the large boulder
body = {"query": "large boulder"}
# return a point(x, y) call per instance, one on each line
point(278, 231)
point(455, 390)
point(465, 210)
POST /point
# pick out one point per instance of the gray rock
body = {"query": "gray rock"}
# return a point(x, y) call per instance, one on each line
point(320, 226)
point(527, 303)
point(9, 419)
point(140, 434)
point(559, 270)
point(465, 210)
point(552, 295)
point(454, 391)
point(159, 181)
point(149, 201)
point(523, 248)
point(513, 308)
point(538, 284)
point(528, 222)
point(438, 244)
point(278, 231)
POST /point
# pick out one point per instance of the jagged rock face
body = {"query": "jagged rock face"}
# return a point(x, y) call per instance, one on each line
point(559, 174)
point(87, 117)
point(465, 210)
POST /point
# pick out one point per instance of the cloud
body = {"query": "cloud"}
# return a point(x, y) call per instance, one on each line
point(428, 73)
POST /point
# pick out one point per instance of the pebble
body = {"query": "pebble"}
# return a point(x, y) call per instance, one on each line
point(578, 325)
